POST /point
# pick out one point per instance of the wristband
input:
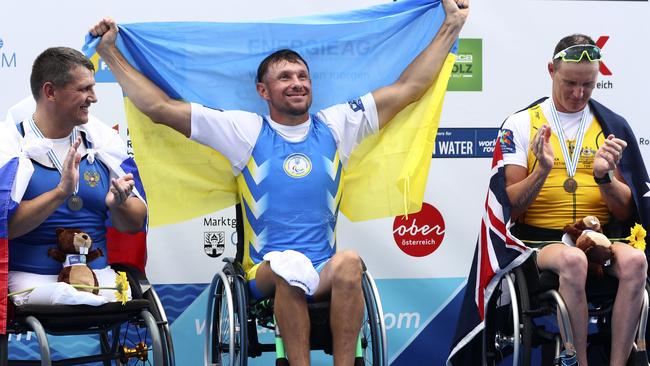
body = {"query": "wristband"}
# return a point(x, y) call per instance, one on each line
point(606, 179)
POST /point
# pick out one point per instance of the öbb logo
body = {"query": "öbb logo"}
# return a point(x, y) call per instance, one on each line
point(422, 233)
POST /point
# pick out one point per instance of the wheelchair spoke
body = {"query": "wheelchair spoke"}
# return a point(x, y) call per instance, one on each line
point(224, 336)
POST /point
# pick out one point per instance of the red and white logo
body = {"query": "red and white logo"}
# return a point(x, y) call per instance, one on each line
point(422, 233)
point(601, 43)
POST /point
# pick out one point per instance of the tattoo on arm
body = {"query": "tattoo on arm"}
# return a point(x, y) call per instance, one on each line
point(528, 196)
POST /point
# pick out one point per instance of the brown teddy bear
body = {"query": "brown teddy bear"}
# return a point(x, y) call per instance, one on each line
point(72, 250)
point(588, 236)
point(587, 223)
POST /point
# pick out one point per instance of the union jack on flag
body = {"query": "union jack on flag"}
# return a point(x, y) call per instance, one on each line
point(497, 252)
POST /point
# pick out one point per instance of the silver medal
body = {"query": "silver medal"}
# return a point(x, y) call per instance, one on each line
point(75, 203)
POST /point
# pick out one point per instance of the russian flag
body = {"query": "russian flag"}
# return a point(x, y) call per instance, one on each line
point(8, 171)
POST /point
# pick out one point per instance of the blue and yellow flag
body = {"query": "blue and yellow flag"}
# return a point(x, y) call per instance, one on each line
point(349, 54)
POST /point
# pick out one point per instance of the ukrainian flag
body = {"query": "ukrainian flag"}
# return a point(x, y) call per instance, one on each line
point(349, 54)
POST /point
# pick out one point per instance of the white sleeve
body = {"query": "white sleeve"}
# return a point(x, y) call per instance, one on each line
point(232, 133)
point(515, 139)
point(351, 122)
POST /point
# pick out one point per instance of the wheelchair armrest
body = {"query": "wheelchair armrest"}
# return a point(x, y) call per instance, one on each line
point(230, 260)
point(239, 270)
point(137, 280)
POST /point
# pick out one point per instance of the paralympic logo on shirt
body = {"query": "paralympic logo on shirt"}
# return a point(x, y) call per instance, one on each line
point(297, 165)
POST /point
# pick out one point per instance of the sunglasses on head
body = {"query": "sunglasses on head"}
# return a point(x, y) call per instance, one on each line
point(575, 53)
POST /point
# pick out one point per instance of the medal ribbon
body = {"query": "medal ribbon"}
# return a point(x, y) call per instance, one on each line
point(571, 162)
point(51, 153)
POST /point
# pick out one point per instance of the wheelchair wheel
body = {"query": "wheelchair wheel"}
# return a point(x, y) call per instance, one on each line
point(508, 332)
point(147, 338)
point(158, 312)
point(139, 342)
point(373, 332)
point(227, 336)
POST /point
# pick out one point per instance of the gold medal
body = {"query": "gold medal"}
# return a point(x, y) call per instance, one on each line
point(570, 185)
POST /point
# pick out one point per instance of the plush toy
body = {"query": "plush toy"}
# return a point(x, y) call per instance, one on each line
point(587, 235)
point(587, 223)
point(73, 250)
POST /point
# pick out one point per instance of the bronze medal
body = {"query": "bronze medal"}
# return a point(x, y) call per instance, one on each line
point(75, 203)
point(570, 185)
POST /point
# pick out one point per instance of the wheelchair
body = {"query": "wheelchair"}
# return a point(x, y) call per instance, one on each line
point(514, 318)
point(233, 317)
point(136, 333)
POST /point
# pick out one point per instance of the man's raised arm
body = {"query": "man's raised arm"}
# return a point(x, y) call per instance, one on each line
point(416, 79)
point(147, 96)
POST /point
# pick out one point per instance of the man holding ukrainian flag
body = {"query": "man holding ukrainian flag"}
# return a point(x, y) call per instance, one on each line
point(289, 167)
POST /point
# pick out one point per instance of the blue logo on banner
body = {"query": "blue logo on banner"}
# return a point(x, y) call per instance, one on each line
point(7, 59)
point(465, 142)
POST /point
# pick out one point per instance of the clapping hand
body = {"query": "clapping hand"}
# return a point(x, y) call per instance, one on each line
point(608, 155)
point(542, 148)
point(70, 172)
point(120, 190)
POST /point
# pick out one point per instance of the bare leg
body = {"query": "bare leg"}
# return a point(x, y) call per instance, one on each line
point(341, 278)
point(630, 268)
point(291, 313)
point(571, 266)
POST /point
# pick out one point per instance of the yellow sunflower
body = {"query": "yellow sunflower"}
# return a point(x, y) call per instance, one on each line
point(122, 287)
point(637, 237)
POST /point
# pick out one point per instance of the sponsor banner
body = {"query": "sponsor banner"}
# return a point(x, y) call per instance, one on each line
point(419, 234)
point(467, 73)
point(465, 142)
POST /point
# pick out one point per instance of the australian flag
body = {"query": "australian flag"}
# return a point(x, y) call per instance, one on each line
point(497, 252)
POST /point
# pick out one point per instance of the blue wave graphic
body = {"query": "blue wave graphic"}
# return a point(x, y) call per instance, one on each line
point(22, 354)
point(177, 297)
point(23, 349)
point(179, 300)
